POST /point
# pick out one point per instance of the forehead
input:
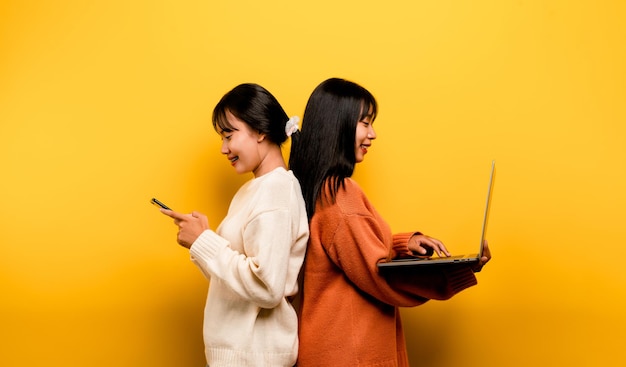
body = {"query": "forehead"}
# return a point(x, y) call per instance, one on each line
point(231, 123)
point(369, 113)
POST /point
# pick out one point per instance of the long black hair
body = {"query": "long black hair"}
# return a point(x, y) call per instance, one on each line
point(324, 151)
point(257, 107)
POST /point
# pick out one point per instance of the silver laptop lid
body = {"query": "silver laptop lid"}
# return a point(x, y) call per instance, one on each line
point(487, 205)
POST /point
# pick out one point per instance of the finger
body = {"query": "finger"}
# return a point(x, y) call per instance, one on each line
point(423, 246)
point(166, 212)
point(172, 214)
point(198, 215)
point(438, 246)
point(203, 218)
point(441, 248)
point(486, 250)
point(431, 245)
point(485, 258)
point(422, 249)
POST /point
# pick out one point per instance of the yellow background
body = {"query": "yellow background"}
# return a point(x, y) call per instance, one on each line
point(104, 104)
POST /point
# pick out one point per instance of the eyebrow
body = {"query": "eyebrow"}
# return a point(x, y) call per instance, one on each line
point(224, 131)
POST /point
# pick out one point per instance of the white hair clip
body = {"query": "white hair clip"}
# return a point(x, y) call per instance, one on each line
point(292, 125)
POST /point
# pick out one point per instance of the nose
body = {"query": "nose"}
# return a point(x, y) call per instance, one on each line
point(371, 133)
point(224, 149)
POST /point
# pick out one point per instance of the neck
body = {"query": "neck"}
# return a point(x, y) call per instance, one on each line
point(272, 159)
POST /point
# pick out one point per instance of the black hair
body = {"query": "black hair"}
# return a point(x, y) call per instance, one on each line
point(323, 152)
point(255, 106)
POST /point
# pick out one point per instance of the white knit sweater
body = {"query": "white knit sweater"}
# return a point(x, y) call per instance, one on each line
point(253, 260)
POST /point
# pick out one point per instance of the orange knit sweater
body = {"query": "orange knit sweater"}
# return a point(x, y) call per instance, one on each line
point(349, 312)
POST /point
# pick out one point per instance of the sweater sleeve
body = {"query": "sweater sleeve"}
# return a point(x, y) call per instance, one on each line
point(359, 239)
point(400, 247)
point(258, 277)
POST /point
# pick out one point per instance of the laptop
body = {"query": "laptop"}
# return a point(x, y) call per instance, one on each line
point(467, 259)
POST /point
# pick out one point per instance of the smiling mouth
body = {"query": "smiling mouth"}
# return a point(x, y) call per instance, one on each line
point(233, 160)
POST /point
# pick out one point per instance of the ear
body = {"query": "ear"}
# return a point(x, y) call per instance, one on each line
point(260, 138)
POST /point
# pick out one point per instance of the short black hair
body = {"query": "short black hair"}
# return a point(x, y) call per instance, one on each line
point(257, 107)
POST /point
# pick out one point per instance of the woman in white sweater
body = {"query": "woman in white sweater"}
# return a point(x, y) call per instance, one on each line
point(254, 256)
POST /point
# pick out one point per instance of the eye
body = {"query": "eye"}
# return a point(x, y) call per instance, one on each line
point(226, 134)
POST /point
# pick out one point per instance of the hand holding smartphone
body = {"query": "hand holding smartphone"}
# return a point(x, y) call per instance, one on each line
point(193, 224)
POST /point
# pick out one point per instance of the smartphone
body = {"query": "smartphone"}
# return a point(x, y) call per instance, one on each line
point(159, 204)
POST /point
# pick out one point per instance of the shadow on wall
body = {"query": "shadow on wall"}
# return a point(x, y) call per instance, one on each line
point(180, 319)
point(428, 335)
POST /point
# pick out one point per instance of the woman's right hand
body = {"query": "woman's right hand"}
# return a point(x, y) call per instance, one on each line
point(190, 226)
point(425, 245)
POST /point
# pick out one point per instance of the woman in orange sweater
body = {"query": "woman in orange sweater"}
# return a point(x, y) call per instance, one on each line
point(349, 311)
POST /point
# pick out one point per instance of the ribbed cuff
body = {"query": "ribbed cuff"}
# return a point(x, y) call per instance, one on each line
point(460, 278)
point(400, 245)
point(207, 245)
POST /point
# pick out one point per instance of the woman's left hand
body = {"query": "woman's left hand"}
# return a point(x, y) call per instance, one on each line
point(484, 259)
